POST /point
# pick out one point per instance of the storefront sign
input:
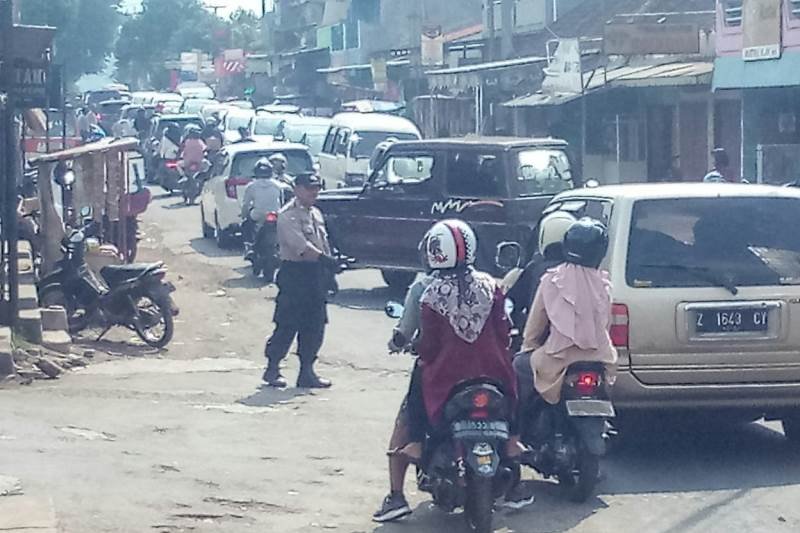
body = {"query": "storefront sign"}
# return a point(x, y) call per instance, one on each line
point(432, 47)
point(761, 25)
point(563, 74)
point(30, 84)
point(648, 38)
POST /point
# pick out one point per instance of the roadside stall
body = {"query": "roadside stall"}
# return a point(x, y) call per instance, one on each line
point(108, 177)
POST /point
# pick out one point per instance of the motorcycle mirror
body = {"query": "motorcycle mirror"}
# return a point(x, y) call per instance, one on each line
point(508, 255)
point(591, 184)
point(394, 309)
point(86, 211)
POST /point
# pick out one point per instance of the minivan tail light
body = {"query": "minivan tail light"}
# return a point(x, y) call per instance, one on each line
point(620, 325)
point(231, 184)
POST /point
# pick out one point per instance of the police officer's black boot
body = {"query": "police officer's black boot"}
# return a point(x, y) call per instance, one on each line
point(308, 379)
point(272, 376)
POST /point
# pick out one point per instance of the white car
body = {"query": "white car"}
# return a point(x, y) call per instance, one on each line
point(221, 199)
point(268, 126)
point(234, 120)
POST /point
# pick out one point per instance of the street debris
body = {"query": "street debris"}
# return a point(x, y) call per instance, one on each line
point(88, 434)
point(41, 363)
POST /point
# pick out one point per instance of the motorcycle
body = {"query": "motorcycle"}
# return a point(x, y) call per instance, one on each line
point(192, 181)
point(464, 463)
point(134, 296)
point(567, 440)
point(264, 252)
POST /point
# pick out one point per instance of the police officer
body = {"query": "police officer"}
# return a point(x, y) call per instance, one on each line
point(304, 281)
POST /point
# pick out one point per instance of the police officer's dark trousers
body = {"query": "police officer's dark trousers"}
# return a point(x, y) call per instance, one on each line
point(300, 312)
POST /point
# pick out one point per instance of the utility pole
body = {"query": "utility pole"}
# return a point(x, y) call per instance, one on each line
point(488, 7)
point(8, 154)
point(263, 8)
point(507, 19)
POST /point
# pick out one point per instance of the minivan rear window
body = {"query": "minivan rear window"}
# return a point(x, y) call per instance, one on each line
point(703, 242)
point(299, 162)
point(542, 171)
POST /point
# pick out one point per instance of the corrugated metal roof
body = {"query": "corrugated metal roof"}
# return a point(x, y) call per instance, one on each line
point(666, 75)
point(670, 75)
point(492, 65)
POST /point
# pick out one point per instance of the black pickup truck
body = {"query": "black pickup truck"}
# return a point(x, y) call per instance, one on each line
point(498, 185)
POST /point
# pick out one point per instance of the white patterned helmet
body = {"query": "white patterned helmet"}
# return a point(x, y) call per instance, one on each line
point(450, 244)
point(553, 227)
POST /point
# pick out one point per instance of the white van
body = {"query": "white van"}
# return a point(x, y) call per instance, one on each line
point(352, 138)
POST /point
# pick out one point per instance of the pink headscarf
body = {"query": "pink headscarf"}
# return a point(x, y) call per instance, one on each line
point(578, 304)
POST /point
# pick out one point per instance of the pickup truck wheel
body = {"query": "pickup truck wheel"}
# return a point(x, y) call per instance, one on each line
point(398, 280)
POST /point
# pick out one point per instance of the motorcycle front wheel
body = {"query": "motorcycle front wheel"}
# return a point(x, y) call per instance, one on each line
point(153, 320)
point(479, 506)
point(78, 315)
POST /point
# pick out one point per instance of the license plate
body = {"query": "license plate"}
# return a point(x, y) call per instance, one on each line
point(480, 428)
point(745, 320)
point(600, 408)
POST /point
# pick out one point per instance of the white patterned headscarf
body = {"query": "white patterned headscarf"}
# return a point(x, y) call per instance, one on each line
point(464, 298)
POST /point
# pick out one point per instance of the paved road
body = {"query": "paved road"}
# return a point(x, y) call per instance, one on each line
point(187, 440)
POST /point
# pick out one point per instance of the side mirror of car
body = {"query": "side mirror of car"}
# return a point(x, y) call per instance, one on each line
point(394, 309)
point(508, 255)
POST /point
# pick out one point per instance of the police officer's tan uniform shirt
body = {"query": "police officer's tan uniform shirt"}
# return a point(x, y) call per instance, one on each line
point(301, 232)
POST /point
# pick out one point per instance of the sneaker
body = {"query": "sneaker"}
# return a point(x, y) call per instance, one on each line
point(518, 497)
point(273, 378)
point(394, 507)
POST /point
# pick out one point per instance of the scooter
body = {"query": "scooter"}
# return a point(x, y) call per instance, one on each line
point(192, 181)
point(567, 440)
point(264, 252)
point(464, 463)
point(133, 296)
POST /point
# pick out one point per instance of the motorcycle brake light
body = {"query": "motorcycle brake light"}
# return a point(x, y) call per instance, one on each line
point(480, 400)
point(272, 217)
point(479, 414)
point(587, 383)
point(171, 165)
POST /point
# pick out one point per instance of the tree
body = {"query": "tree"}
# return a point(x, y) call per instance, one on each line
point(246, 31)
point(86, 31)
point(161, 31)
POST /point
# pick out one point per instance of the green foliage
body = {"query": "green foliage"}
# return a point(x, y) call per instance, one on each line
point(165, 28)
point(86, 30)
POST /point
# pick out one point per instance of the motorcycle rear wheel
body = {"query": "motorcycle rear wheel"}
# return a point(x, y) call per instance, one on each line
point(78, 315)
point(579, 484)
point(479, 507)
point(153, 321)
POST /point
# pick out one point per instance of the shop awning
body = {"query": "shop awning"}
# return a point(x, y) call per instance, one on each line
point(468, 76)
point(733, 72)
point(666, 75)
point(542, 99)
point(492, 65)
point(365, 66)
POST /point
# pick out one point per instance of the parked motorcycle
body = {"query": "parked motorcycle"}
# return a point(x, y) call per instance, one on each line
point(264, 253)
point(134, 296)
point(567, 440)
point(464, 463)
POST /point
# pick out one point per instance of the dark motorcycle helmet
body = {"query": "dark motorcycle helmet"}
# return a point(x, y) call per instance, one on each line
point(586, 243)
point(263, 169)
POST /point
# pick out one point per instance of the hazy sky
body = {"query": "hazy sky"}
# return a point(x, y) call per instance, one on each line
point(230, 5)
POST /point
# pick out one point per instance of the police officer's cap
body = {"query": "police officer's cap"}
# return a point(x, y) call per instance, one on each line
point(307, 179)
